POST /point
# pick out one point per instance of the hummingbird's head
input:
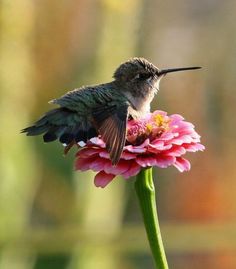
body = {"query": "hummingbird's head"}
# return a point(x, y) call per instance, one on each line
point(139, 74)
point(142, 77)
point(139, 80)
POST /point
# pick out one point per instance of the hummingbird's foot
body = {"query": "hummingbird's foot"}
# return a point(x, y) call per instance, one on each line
point(68, 147)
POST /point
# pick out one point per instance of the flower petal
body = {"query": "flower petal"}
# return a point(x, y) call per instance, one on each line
point(167, 136)
point(104, 154)
point(134, 149)
point(99, 164)
point(182, 164)
point(182, 139)
point(127, 155)
point(176, 151)
point(84, 164)
point(146, 160)
point(194, 147)
point(102, 179)
point(163, 161)
point(118, 169)
point(133, 170)
point(157, 146)
point(176, 117)
point(97, 141)
point(87, 152)
point(138, 149)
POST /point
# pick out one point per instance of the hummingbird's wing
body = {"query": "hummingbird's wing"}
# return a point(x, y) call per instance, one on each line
point(110, 122)
point(106, 109)
point(83, 114)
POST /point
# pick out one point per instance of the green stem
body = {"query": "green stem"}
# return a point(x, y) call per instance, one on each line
point(145, 190)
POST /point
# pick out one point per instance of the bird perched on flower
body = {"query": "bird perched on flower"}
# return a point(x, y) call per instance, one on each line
point(103, 109)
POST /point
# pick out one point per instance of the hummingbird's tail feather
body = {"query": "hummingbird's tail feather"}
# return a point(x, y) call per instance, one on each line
point(34, 130)
point(53, 133)
point(62, 124)
point(49, 123)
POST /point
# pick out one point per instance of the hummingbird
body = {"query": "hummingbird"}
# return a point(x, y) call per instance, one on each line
point(103, 110)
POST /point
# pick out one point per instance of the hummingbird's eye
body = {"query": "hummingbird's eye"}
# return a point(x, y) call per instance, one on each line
point(143, 76)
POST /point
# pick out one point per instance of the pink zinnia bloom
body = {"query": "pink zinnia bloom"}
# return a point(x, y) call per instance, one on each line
point(156, 140)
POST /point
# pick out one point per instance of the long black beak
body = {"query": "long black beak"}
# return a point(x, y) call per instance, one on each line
point(165, 71)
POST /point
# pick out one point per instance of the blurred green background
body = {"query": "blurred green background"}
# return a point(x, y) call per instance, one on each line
point(52, 217)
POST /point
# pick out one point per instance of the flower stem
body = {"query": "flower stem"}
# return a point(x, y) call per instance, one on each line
point(145, 190)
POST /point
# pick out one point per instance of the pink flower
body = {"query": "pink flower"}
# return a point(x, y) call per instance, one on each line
point(156, 140)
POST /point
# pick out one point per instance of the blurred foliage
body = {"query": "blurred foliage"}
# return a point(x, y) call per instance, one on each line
point(52, 217)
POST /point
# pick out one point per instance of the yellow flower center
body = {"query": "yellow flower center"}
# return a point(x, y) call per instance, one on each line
point(149, 127)
point(159, 120)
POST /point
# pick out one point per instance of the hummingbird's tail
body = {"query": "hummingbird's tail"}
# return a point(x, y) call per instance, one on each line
point(63, 124)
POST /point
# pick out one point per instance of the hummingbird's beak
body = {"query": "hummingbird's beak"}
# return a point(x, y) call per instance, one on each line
point(165, 71)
